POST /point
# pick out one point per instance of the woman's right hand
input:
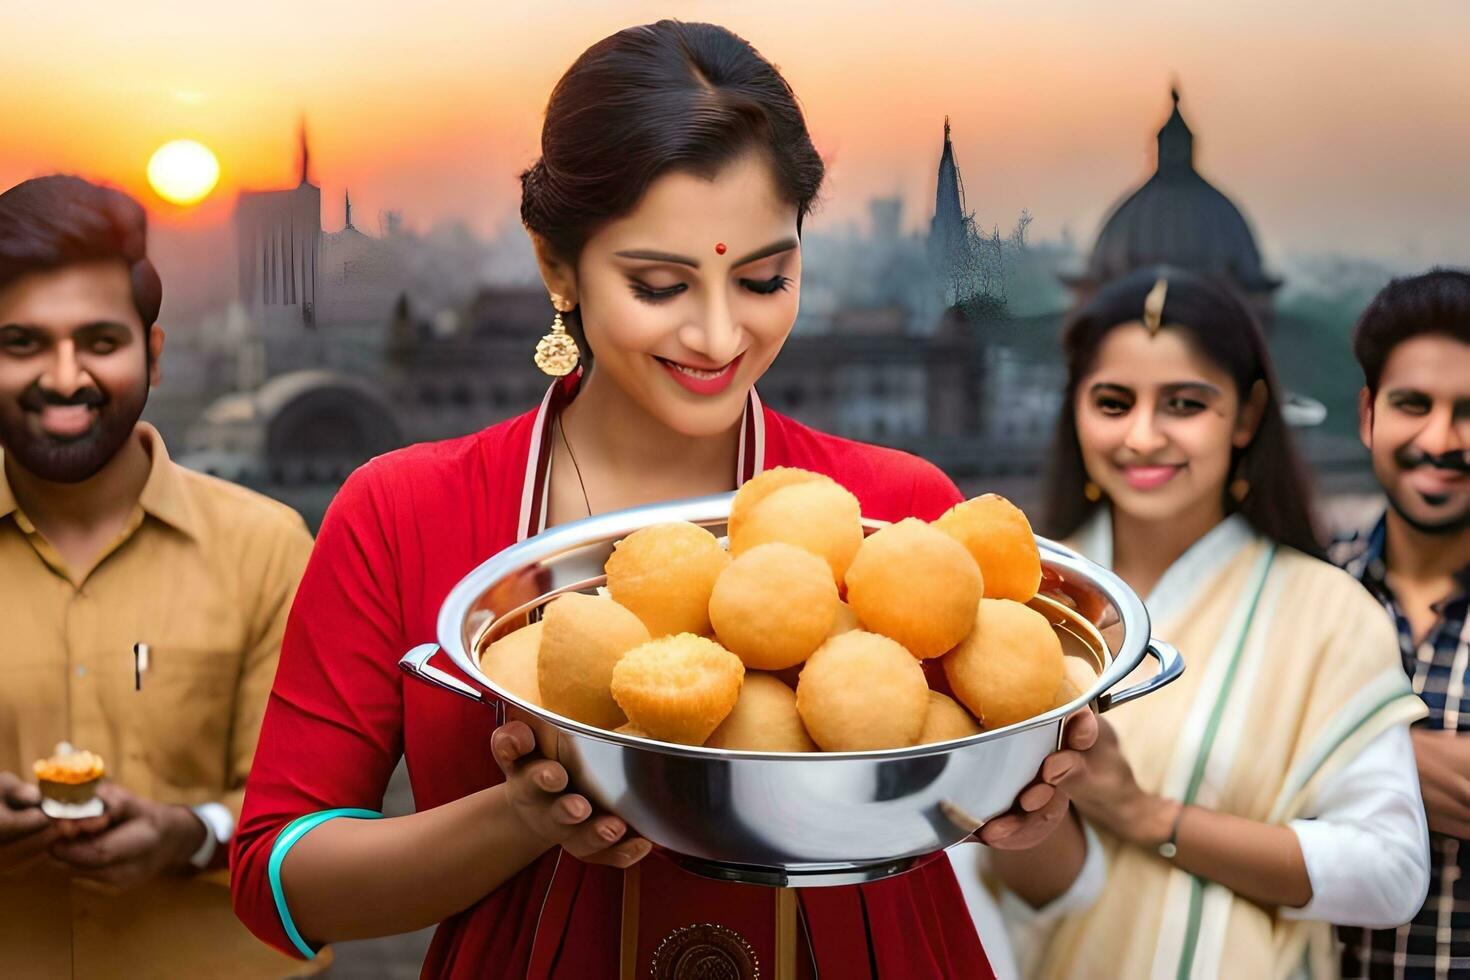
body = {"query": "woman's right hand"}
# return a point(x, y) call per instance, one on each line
point(535, 791)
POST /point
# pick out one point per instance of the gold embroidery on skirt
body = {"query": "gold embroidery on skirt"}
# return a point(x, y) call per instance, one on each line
point(705, 952)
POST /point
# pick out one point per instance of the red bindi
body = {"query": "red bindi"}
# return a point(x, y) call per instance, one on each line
point(719, 248)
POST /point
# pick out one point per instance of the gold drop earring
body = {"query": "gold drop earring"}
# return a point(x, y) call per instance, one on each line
point(1092, 491)
point(556, 353)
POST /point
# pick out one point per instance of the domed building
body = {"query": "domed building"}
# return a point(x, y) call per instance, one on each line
point(1179, 218)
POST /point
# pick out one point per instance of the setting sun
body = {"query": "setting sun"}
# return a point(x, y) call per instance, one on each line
point(183, 172)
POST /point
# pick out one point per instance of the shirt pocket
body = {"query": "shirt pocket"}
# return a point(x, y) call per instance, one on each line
point(176, 723)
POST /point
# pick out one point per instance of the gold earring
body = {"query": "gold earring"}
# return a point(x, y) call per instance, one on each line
point(1240, 488)
point(1092, 491)
point(556, 353)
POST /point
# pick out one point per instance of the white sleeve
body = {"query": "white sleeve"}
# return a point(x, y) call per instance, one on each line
point(1367, 850)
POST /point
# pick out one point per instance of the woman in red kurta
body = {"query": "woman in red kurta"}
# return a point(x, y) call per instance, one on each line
point(665, 215)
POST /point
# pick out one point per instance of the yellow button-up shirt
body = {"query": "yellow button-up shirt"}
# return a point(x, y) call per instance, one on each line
point(203, 572)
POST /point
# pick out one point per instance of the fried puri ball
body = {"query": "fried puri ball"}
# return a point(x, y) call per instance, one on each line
point(774, 605)
point(664, 574)
point(678, 688)
point(916, 585)
point(1077, 678)
point(761, 486)
point(511, 662)
point(999, 538)
point(764, 719)
point(821, 517)
point(582, 638)
point(946, 719)
point(1010, 666)
point(862, 691)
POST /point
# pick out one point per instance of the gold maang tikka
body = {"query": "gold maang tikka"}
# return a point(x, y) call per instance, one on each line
point(556, 353)
point(1153, 307)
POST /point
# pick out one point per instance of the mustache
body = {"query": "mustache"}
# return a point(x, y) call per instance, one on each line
point(35, 398)
point(1411, 457)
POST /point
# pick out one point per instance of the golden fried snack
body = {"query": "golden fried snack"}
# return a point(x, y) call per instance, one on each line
point(678, 688)
point(761, 486)
point(946, 719)
point(821, 517)
point(582, 639)
point(664, 574)
point(999, 538)
point(511, 662)
point(845, 621)
point(862, 691)
point(1077, 678)
point(774, 605)
point(764, 719)
point(916, 585)
point(1010, 667)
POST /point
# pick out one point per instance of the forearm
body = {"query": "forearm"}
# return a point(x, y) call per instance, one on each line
point(1257, 861)
point(1041, 874)
point(354, 879)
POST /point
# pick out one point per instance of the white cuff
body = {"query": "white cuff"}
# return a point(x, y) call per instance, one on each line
point(219, 827)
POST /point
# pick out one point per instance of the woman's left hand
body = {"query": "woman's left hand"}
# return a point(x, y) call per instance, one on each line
point(1040, 808)
point(1108, 794)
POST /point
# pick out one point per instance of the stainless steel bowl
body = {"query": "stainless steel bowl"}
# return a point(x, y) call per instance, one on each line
point(800, 819)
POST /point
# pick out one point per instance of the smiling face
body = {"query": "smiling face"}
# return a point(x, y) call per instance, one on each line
point(687, 299)
point(1158, 423)
point(1418, 430)
point(74, 374)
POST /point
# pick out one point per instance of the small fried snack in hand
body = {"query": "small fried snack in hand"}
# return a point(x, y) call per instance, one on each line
point(862, 691)
point(916, 585)
point(582, 638)
point(664, 573)
point(678, 688)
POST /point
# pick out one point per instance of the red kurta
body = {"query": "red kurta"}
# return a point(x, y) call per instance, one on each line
point(401, 532)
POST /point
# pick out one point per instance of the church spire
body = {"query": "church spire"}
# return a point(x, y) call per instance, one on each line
point(347, 201)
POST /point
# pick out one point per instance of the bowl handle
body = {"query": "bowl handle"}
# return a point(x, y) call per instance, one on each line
point(1171, 665)
point(416, 663)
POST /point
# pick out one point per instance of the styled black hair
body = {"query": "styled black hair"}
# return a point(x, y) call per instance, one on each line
point(648, 100)
point(1436, 302)
point(1221, 328)
point(50, 222)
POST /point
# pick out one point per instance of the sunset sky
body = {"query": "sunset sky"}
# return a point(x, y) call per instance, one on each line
point(1338, 124)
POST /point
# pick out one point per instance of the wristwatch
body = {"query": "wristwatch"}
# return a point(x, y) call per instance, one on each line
point(1170, 847)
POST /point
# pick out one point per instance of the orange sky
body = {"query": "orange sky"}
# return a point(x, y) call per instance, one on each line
point(1337, 125)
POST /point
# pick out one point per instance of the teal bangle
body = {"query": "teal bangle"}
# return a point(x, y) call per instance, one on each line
point(286, 840)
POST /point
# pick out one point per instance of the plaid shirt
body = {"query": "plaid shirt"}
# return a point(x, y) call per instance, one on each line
point(1437, 943)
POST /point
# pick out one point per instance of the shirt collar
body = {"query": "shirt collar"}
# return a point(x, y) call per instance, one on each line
point(164, 495)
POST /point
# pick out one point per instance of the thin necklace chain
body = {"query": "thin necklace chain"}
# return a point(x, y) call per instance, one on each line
point(573, 456)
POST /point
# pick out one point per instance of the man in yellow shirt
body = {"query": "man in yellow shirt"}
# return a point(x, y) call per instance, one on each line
point(141, 612)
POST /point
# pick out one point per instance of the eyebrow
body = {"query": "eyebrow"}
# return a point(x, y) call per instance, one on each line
point(1173, 387)
point(652, 255)
point(90, 327)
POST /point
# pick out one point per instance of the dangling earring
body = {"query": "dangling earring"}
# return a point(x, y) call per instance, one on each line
point(1092, 491)
point(556, 353)
point(1240, 487)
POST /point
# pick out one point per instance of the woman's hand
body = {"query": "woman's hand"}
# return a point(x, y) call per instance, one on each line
point(1040, 808)
point(534, 792)
point(1108, 795)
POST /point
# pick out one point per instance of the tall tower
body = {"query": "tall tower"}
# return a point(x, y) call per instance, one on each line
point(953, 242)
point(278, 242)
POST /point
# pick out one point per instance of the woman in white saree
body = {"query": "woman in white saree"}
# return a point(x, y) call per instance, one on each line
point(1272, 790)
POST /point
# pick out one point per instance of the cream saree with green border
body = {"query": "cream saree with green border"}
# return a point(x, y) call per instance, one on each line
point(1292, 669)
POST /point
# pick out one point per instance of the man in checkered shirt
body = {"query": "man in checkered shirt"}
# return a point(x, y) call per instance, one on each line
point(1413, 342)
